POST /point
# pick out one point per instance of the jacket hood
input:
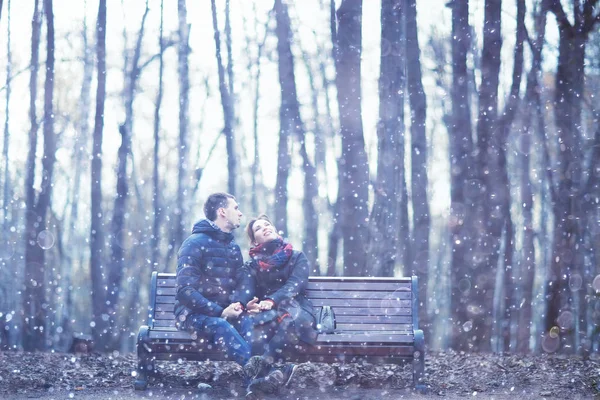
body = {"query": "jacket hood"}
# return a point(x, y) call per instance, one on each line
point(207, 227)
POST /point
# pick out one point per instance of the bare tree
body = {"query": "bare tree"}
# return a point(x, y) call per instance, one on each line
point(156, 199)
point(69, 253)
point(34, 296)
point(5, 153)
point(230, 78)
point(227, 104)
point(97, 247)
point(385, 221)
point(504, 126)
point(462, 182)
point(419, 178)
point(565, 305)
point(117, 240)
point(291, 124)
point(353, 188)
point(336, 231)
point(184, 100)
point(255, 168)
point(491, 161)
point(528, 260)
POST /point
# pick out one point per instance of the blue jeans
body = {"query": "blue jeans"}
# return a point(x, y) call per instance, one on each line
point(223, 335)
point(273, 339)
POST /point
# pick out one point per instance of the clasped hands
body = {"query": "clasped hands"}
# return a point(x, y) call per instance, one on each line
point(253, 307)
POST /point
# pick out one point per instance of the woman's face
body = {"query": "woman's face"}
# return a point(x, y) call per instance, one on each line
point(263, 232)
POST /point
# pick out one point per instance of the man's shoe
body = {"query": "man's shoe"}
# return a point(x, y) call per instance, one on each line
point(269, 384)
point(256, 367)
point(288, 371)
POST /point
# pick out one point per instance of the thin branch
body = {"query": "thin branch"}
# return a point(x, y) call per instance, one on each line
point(200, 170)
point(154, 56)
point(561, 18)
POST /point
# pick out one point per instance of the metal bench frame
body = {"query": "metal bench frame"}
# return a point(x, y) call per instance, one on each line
point(377, 322)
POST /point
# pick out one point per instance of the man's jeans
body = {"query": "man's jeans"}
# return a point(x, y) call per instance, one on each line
point(223, 335)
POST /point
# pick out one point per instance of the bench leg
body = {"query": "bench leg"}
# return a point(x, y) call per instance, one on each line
point(145, 365)
point(419, 361)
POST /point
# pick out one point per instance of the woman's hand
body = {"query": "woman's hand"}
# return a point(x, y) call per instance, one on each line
point(266, 305)
point(252, 307)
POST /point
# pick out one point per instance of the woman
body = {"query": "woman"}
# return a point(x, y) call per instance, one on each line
point(282, 315)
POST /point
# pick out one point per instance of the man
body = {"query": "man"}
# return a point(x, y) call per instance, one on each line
point(209, 269)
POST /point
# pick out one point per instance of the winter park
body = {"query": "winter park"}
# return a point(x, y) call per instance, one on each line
point(316, 199)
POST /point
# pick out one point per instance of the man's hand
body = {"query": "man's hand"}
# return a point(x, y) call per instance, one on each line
point(252, 307)
point(232, 311)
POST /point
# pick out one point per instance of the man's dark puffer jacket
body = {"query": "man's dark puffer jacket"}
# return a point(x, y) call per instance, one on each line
point(208, 268)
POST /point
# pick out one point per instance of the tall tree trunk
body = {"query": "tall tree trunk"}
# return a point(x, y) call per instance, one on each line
point(227, 104)
point(564, 306)
point(184, 94)
point(231, 151)
point(80, 149)
point(528, 261)
point(118, 237)
point(156, 199)
point(504, 127)
point(6, 195)
point(334, 237)
point(354, 184)
point(419, 178)
point(491, 164)
point(255, 168)
point(461, 179)
point(35, 296)
point(32, 337)
point(5, 303)
point(230, 78)
point(562, 316)
point(385, 221)
point(291, 123)
point(97, 248)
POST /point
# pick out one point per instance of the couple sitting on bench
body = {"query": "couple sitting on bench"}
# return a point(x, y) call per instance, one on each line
point(254, 312)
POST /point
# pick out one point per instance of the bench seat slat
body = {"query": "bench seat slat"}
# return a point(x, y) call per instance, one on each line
point(358, 285)
point(366, 338)
point(379, 303)
point(374, 327)
point(367, 294)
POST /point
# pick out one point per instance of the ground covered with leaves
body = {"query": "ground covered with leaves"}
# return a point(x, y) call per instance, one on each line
point(448, 375)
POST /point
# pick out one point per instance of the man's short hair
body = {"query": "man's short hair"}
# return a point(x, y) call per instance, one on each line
point(214, 202)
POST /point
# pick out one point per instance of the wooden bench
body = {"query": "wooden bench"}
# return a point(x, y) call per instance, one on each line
point(377, 322)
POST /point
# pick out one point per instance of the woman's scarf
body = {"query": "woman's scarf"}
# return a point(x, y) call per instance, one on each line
point(273, 254)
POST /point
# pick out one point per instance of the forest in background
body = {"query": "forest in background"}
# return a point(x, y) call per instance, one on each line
point(464, 150)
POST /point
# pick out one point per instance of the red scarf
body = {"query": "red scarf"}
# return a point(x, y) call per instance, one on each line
point(275, 253)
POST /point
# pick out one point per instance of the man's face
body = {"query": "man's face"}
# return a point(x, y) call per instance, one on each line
point(232, 215)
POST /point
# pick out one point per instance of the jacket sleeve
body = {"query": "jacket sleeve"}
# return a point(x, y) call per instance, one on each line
point(296, 283)
point(189, 274)
point(245, 285)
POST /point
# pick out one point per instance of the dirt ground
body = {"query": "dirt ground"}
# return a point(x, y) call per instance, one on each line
point(448, 375)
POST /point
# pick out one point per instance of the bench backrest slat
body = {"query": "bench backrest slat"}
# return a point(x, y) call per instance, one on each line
point(360, 304)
